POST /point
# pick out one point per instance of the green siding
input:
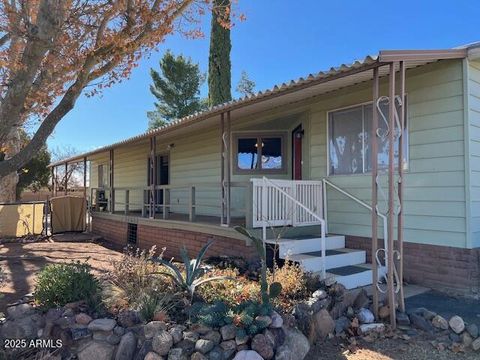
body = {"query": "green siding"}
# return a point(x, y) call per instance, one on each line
point(473, 110)
point(434, 197)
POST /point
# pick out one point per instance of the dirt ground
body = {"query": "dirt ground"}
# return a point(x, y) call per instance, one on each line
point(416, 348)
point(22, 261)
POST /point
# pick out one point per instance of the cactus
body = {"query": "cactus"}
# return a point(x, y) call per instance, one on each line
point(268, 292)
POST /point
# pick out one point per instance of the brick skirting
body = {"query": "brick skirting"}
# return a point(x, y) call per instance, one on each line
point(115, 232)
point(448, 269)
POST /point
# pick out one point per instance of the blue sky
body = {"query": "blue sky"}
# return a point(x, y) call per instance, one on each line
point(279, 41)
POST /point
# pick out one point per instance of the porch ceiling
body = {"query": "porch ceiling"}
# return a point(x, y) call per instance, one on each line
point(303, 88)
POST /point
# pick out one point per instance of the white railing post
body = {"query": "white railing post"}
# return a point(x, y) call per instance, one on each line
point(264, 208)
point(325, 209)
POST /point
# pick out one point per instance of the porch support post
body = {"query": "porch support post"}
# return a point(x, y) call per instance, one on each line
point(400, 184)
point(391, 204)
point(191, 216)
point(66, 178)
point(85, 177)
point(227, 155)
point(53, 180)
point(374, 145)
point(222, 168)
point(112, 182)
point(152, 170)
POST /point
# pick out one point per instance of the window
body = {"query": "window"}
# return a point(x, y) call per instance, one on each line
point(263, 153)
point(103, 176)
point(349, 140)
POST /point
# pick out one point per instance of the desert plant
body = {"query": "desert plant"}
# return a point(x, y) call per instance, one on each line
point(247, 316)
point(59, 284)
point(194, 272)
point(233, 290)
point(150, 304)
point(268, 291)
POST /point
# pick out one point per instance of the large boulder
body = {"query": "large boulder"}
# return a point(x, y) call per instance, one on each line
point(127, 347)
point(96, 350)
point(247, 355)
point(262, 345)
point(295, 347)
point(162, 342)
point(102, 325)
point(323, 324)
point(457, 324)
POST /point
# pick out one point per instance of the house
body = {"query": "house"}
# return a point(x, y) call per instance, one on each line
point(301, 155)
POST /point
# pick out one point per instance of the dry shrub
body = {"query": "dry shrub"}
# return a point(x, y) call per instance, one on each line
point(232, 291)
point(294, 282)
point(134, 277)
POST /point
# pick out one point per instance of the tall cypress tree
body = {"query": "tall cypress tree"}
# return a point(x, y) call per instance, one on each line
point(219, 65)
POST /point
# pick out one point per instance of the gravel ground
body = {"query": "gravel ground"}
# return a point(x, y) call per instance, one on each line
point(416, 348)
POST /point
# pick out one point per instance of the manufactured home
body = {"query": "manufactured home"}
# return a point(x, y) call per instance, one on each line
point(304, 158)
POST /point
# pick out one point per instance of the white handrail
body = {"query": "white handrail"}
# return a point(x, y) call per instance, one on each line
point(310, 212)
point(364, 204)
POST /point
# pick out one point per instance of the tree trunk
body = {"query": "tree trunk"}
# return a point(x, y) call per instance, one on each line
point(8, 183)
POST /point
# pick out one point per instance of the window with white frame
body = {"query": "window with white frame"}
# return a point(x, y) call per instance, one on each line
point(349, 140)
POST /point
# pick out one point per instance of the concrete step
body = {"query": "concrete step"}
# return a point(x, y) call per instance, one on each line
point(335, 258)
point(352, 276)
point(306, 244)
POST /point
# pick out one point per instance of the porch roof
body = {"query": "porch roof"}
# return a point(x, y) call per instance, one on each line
point(313, 85)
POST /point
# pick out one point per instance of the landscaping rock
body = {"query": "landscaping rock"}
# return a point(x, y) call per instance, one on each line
point(440, 322)
point(198, 356)
point(152, 356)
point(365, 316)
point(402, 319)
point(128, 318)
point(247, 355)
point(217, 354)
point(177, 354)
point(65, 322)
point(295, 347)
point(23, 328)
point(177, 333)
point(241, 339)
point(187, 346)
point(83, 319)
point(456, 324)
point(473, 330)
point(369, 328)
point(277, 321)
point(162, 342)
point(96, 350)
point(145, 348)
point(341, 325)
point(213, 336)
point(113, 339)
point(228, 332)
point(276, 337)
point(126, 348)
point(153, 328)
point(454, 337)
point(102, 325)
point(101, 335)
point(319, 294)
point(80, 333)
point(118, 330)
point(419, 322)
point(466, 339)
point(228, 345)
point(323, 325)
point(200, 329)
point(361, 300)
point(204, 346)
point(265, 320)
point(19, 311)
point(191, 336)
point(476, 344)
point(428, 315)
point(262, 346)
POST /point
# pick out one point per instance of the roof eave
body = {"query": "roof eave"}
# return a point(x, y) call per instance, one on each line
point(421, 55)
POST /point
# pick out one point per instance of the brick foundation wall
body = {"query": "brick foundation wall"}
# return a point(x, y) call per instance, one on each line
point(452, 270)
point(173, 240)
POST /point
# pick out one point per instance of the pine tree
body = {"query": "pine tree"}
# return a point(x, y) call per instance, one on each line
point(177, 89)
point(245, 86)
point(219, 65)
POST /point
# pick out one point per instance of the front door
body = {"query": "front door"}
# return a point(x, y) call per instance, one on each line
point(297, 138)
point(162, 178)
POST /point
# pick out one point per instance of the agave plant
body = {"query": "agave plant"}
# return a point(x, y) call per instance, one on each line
point(268, 292)
point(193, 271)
